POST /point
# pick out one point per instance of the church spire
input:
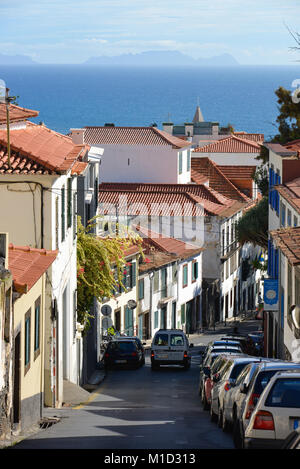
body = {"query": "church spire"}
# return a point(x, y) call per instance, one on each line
point(198, 117)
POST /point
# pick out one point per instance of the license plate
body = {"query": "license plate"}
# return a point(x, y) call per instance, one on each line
point(296, 424)
point(120, 361)
point(163, 356)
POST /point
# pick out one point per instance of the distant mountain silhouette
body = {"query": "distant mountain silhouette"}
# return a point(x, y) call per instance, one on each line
point(16, 60)
point(162, 58)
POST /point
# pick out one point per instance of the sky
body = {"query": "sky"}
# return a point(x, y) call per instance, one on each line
point(71, 31)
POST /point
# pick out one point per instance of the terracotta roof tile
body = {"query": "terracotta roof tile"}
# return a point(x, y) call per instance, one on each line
point(167, 244)
point(161, 199)
point(131, 136)
point(238, 171)
point(53, 151)
point(288, 240)
point(291, 192)
point(28, 265)
point(259, 138)
point(217, 178)
point(231, 144)
point(16, 113)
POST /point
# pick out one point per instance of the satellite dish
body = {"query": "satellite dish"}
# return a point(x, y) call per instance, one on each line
point(132, 304)
point(295, 310)
point(106, 310)
point(2, 91)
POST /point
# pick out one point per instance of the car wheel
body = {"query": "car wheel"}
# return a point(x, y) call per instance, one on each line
point(225, 423)
point(213, 416)
point(205, 404)
point(220, 416)
point(154, 366)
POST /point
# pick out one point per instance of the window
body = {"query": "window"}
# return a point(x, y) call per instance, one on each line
point(295, 221)
point(182, 314)
point(282, 214)
point(174, 273)
point(180, 162)
point(177, 340)
point(141, 289)
point(69, 203)
point(27, 340)
point(63, 219)
point(155, 319)
point(156, 281)
point(188, 161)
point(194, 271)
point(289, 218)
point(74, 216)
point(185, 275)
point(284, 393)
point(37, 325)
point(161, 339)
point(56, 224)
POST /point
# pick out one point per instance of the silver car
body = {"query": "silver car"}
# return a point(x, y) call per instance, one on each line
point(277, 412)
point(224, 383)
point(250, 392)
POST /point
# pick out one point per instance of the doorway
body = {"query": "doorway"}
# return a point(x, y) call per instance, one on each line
point(17, 377)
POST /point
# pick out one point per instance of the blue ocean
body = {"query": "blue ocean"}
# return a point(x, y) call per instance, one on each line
point(71, 96)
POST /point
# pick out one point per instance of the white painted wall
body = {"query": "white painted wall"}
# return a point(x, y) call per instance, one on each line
point(238, 159)
point(143, 163)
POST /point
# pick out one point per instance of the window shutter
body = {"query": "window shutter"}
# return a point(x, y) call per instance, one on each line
point(63, 216)
point(69, 203)
point(182, 314)
point(133, 275)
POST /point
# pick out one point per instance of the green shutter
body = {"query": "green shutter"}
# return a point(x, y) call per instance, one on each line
point(180, 162)
point(188, 166)
point(141, 289)
point(156, 320)
point(185, 275)
point(69, 203)
point(182, 314)
point(133, 275)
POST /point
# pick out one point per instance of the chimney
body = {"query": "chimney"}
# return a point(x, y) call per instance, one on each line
point(77, 136)
point(168, 127)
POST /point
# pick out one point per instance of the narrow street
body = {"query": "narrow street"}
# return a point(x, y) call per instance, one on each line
point(137, 409)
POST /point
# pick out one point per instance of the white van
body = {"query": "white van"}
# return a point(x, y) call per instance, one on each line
point(170, 347)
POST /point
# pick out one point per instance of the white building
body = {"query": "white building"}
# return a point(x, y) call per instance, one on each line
point(134, 154)
point(38, 188)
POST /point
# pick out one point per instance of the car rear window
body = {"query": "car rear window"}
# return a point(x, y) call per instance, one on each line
point(122, 346)
point(284, 393)
point(161, 339)
point(236, 370)
point(177, 339)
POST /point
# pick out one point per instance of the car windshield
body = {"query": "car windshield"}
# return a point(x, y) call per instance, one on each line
point(284, 393)
point(176, 339)
point(161, 339)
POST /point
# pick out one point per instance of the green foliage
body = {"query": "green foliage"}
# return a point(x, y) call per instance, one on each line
point(253, 226)
point(289, 117)
point(261, 178)
point(97, 261)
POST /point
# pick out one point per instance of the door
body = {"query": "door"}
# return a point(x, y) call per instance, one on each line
point(118, 320)
point(128, 321)
point(164, 283)
point(17, 370)
point(163, 317)
point(188, 319)
point(173, 315)
point(140, 327)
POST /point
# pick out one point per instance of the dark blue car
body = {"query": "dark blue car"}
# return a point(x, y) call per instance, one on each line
point(123, 352)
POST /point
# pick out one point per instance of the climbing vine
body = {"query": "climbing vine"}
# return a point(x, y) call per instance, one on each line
point(100, 264)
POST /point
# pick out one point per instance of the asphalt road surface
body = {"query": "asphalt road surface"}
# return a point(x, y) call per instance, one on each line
point(138, 409)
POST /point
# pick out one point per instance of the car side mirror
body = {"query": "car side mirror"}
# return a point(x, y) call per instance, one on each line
point(144, 343)
point(191, 345)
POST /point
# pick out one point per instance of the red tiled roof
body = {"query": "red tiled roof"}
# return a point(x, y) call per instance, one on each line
point(259, 138)
point(217, 179)
point(288, 240)
point(79, 167)
point(161, 199)
point(231, 144)
point(131, 136)
point(19, 164)
point(53, 151)
point(16, 113)
point(291, 192)
point(237, 172)
point(167, 244)
point(28, 265)
point(293, 145)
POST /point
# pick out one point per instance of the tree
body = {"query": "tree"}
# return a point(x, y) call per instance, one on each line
point(288, 118)
point(98, 260)
point(253, 225)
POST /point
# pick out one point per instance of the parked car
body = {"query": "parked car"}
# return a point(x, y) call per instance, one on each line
point(223, 384)
point(292, 441)
point(207, 374)
point(170, 347)
point(250, 391)
point(245, 342)
point(139, 343)
point(277, 412)
point(223, 348)
point(123, 352)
